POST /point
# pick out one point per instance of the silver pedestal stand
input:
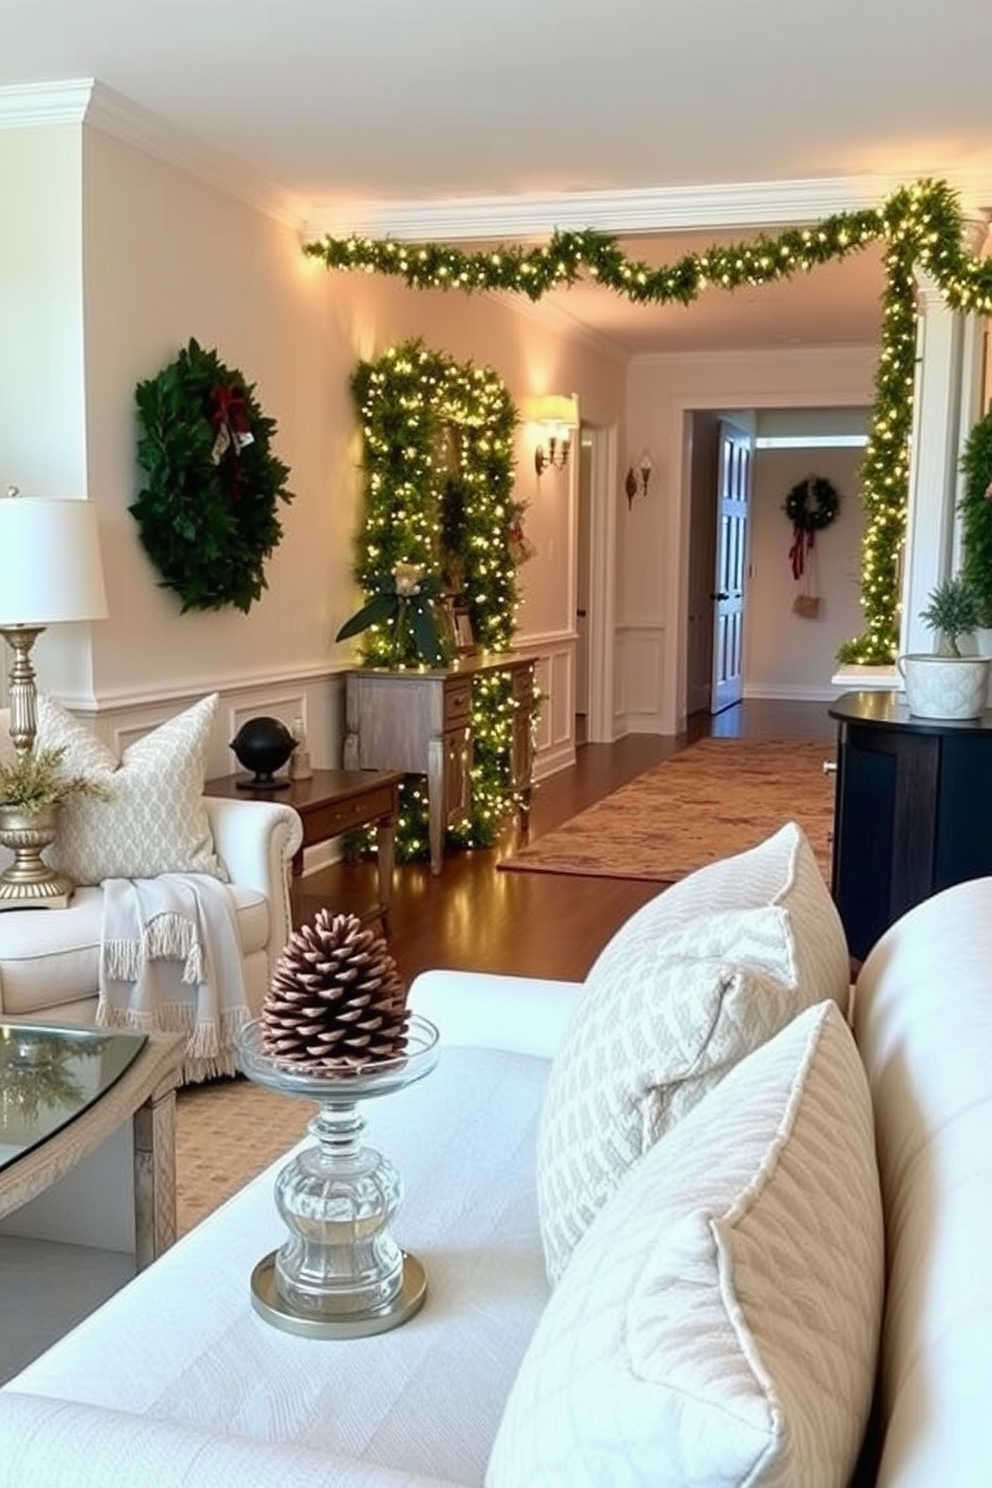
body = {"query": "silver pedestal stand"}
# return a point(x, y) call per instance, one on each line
point(340, 1273)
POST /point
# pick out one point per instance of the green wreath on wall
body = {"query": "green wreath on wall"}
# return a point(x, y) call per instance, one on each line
point(207, 512)
point(438, 464)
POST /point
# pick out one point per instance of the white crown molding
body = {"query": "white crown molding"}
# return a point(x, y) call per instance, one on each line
point(86, 101)
point(663, 209)
point(27, 105)
point(640, 210)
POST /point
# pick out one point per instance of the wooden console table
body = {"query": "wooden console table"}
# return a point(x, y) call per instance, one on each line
point(913, 812)
point(421, 723)
point(331, 802)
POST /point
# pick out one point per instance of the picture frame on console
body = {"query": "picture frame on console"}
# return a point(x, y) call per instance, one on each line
point(464, 635)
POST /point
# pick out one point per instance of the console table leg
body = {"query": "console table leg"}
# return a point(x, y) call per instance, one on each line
point(154, 1178)
point(436, 798)
point(385, 837)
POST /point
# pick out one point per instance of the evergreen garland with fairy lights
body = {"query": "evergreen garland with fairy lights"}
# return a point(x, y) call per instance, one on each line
point(975, 508)
point(922, 225)
point(438, 462)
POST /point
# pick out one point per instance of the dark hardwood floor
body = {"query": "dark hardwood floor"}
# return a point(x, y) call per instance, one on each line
point(473, 917)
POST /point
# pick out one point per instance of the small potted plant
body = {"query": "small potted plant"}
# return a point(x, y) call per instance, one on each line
point(32, 788)
point(948, 684)
point(33, 783)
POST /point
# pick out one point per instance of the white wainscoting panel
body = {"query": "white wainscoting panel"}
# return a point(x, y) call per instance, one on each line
point(554, 744)
point(639, 702)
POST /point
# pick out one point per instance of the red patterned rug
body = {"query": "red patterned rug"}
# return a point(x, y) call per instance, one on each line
point(717, 797)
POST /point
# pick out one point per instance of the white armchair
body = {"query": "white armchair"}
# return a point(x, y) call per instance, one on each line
point(49, 958)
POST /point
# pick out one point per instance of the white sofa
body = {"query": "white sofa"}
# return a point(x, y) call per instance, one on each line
point(177, 1381)
point(49, 957)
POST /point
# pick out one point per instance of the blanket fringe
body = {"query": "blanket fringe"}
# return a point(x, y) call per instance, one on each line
point(209, 1050)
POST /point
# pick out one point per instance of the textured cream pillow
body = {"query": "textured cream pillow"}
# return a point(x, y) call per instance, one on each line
point(700, 976)
point(153, 819)
point(718, 1324)
point(781, 870)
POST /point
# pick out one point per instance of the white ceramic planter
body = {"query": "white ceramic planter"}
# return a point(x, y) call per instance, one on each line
point(950, 687)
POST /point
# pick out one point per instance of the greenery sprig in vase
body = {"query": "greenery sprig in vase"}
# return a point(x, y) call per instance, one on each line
point(34, 782)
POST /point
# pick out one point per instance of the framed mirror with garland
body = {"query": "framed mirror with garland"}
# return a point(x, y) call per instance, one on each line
point(439, 512)
point(922, 227)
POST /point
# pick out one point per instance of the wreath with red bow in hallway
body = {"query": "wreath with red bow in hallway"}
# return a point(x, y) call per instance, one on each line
point(207, 514)
point(811, 505)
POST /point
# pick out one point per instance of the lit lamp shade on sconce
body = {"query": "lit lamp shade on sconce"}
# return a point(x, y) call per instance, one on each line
point(557, 415)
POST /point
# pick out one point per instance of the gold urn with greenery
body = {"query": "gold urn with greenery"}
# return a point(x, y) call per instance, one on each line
point(32, 788)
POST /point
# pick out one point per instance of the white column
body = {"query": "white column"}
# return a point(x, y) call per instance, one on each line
point(948, 388)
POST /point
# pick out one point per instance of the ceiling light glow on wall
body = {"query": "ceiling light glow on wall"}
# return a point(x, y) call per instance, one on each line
point(557, 416)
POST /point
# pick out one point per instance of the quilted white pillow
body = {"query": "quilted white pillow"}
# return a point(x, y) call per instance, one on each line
point(781, 870)
point(153, 819)
point(718, 1324)
point(698, 978)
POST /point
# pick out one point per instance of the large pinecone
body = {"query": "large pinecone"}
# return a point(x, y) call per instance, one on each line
point(336, 1001)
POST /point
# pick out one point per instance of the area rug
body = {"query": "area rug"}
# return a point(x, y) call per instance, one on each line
point(717, 797)
point(226, 1132)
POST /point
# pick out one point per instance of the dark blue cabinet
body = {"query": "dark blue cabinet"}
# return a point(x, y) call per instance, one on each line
point(913, 810)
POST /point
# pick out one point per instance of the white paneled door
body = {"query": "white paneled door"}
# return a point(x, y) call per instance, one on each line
point(733, 495)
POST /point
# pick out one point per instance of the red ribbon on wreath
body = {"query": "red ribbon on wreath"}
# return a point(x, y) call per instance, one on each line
point(230, 420)
point(802, 543)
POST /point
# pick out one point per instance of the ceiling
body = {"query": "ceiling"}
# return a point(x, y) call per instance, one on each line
point(383, 104)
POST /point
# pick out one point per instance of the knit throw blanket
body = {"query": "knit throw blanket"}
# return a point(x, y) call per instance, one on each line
point(170, 959)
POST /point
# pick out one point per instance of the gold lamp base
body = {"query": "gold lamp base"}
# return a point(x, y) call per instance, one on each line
point(29, 883)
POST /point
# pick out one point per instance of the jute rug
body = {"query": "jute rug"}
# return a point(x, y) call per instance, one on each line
point(226, 1132)
point(717, 797)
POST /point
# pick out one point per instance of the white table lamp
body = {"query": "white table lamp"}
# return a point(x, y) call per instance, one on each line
point(50, 572)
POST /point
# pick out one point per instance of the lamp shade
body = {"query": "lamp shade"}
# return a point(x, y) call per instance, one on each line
point(50, 567)
point(555, 408)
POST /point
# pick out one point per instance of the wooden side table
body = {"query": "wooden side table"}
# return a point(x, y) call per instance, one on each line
point(332, 802)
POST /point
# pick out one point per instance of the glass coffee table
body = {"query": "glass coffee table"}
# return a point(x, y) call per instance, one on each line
point(65, 1090)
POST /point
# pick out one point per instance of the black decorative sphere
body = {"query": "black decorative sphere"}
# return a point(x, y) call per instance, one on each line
point(263, 745)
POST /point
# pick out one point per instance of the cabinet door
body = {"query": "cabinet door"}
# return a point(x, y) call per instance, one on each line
point(964, 825)
point(884, 828)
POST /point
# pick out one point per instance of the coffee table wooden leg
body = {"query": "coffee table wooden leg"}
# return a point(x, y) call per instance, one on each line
point(154, 1177)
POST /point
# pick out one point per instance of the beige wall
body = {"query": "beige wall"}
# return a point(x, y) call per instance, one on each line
point(784, 654)
point(168, 257)
point(653, 549)
point(123, 256)
point(42, 393)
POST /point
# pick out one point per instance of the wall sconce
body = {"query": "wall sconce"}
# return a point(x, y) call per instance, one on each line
point(640, 479)
point(558, 415)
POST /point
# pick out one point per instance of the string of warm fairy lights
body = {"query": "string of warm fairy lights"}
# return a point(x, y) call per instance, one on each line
point(922, 225)
point(438, 461)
